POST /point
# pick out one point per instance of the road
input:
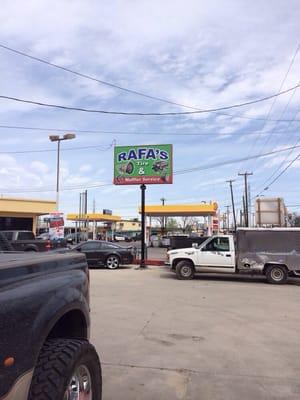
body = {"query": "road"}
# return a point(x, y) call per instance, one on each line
point(213, 338)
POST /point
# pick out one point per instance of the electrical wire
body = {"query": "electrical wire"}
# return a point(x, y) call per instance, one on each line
point(231, 134)
point(178, 172)
point(49, 190)
point(96, 147)
point(115, 86)
point(136, 113)
point(275, 99)
point(269, 134)
point(280, 174)
point(234, 161)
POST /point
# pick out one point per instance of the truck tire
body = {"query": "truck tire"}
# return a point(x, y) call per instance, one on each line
point(276, 274)
point(66, 367)
point(185, 270)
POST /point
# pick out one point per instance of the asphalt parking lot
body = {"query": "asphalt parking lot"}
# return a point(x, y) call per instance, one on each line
point(213, 338)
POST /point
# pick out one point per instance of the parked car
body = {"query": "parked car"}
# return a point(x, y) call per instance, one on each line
point(271, 252)
point(55, 242)
point(154, 241)
point(104, 253)
point(73, 238)
point(26, 241)
point(121, 237)
point(137, 237)
point(165, 241)
point(45, 324)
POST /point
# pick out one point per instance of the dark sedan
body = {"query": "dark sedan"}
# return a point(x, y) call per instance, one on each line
point(105, 253)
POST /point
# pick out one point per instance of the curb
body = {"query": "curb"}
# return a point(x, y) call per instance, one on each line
point(157, 263)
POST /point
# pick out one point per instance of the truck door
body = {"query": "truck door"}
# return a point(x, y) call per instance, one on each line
point(218, 252)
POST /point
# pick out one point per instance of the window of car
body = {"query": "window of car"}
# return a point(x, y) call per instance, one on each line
point(26, 236)
point(8, 235)
point(217, 244)
point(110, 246)
point(91, 246)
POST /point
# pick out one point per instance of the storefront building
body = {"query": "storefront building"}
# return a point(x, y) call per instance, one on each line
point(22, 214)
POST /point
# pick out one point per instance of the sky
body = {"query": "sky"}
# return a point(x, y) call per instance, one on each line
point(193, 52)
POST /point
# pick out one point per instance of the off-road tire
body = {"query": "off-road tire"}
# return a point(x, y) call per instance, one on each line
point(185, 270)
point(276, 274)
point(58, 359)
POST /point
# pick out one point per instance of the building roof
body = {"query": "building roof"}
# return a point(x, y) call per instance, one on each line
point(181, 210)
point(94, 217)
point(26, 206)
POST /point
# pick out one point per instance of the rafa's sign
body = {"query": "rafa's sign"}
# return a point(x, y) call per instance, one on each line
point(149, 164)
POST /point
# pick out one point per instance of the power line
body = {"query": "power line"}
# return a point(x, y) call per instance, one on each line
point(110, 84)
point(104, 132)
point(269, 134)
point(136, 113)
point(43, 190)
point(234, 161)
point(97, 147)
point(281, 173)
point(283, 162)
point(275, 99)
point(115, 86)
point(179, 172)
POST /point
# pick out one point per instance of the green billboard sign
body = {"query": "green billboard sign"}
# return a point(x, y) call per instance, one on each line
point(148, 164)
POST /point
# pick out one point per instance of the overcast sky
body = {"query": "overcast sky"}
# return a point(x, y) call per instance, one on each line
point(194, 52)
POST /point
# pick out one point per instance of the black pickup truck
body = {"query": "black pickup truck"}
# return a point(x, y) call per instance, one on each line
point(44, 328)
point(26, 241)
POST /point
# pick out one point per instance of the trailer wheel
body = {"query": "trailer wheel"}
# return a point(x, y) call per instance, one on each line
point(276, 274)
point(66, 369)
point(185, 270)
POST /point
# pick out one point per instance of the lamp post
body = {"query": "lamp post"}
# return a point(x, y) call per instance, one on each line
point(58, 139)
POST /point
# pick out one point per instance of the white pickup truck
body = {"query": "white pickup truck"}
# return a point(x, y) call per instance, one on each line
point(274, 253)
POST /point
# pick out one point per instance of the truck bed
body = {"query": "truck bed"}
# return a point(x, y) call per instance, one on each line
point(18, 265)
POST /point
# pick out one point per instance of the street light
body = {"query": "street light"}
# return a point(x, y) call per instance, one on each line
point(58, 139)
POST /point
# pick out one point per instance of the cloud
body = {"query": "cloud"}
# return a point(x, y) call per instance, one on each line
point(199, 53)
point(85, 168)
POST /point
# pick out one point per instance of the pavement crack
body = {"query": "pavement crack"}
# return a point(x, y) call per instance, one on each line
point(142, 331)
point(197, 372)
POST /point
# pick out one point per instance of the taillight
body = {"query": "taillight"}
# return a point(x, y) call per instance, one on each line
point(48, 245)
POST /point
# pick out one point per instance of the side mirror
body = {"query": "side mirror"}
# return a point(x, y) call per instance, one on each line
point(195, 245)
point(78, 249)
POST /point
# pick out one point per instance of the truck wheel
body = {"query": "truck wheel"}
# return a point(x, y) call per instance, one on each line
point(67, 369)
point(185, 270)
point(276, 274)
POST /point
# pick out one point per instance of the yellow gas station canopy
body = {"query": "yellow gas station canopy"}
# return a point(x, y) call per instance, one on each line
point(93, 217)
point(181, 210)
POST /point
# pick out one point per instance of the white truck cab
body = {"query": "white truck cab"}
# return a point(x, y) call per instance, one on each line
point(216, 254)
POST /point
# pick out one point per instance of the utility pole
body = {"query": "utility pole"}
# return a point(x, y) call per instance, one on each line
point(228, 218)
point(245, 175)
point(232, 202)
point(163, 218)
point(244, 211)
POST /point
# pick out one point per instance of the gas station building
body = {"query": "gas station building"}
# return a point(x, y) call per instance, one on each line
point(22, 214)
point(83, 221)
point(208, 210)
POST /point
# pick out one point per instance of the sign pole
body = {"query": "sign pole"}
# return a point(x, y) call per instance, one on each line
point(143, 190)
